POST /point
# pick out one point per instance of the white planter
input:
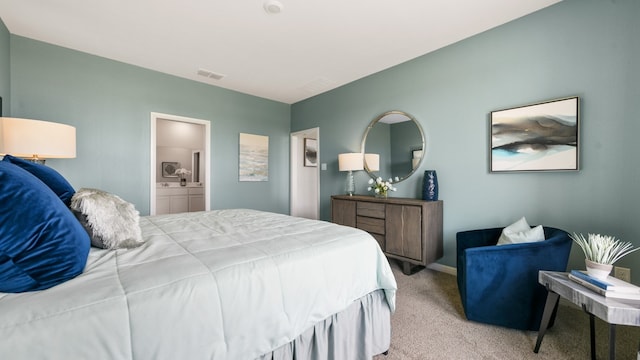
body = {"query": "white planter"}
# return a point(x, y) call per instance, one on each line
point(598, 271)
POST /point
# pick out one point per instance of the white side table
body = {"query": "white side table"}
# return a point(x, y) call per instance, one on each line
point(613, 311)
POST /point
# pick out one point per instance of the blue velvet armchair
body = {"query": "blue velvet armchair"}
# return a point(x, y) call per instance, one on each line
point(499, 284)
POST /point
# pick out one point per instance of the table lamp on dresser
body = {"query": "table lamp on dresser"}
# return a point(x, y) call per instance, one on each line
point(350, 162)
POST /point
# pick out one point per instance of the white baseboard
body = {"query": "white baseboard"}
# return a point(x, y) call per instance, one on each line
point(443, 268)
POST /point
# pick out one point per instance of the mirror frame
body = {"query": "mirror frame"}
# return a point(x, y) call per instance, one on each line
point(373, 123)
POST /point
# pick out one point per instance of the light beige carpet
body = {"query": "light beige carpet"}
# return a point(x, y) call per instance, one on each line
point(429, 323)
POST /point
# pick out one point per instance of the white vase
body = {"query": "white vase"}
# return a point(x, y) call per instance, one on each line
point(597, 270)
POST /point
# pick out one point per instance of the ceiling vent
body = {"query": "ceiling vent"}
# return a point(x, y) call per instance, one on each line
point(210, 74)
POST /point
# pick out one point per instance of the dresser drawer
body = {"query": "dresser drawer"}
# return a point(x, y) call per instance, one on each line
point(375, 210)
point(372, 225)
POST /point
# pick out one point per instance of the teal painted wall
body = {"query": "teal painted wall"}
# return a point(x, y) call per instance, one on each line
point(4, 69)
point(587, 48)
point(110, 103)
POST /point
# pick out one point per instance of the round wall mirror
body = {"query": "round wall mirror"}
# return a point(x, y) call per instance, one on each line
point(393, 145)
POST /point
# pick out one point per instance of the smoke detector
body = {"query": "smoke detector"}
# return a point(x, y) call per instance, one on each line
point(272, 7)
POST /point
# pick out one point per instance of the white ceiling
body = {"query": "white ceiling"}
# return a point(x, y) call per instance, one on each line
point(308, 48)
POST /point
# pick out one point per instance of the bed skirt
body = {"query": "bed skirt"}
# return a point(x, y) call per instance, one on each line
point(359, 332)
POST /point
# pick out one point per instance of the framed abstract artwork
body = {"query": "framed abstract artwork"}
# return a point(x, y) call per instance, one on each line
point(310, 152)
point(538, 137)
point(254, 157)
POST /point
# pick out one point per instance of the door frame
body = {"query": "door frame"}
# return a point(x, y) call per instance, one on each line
point(206, 174)
point(295, 163)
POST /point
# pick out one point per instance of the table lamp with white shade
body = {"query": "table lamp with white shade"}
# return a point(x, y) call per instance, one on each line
point(350, 162)
point(36, 140)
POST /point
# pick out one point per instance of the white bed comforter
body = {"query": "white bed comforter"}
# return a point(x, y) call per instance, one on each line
point(227, 284)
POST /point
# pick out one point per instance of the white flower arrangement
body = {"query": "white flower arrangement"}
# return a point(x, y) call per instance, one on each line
point(182, 172)
point(381, 187)
point(603, 249)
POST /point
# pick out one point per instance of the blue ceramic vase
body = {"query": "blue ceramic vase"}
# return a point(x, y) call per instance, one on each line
point(430, 186)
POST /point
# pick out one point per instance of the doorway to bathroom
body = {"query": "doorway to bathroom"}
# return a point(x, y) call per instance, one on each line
point(305, 174)
point(180, 164)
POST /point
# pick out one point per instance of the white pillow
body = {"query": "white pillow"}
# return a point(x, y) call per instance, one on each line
point(111, 222)
point(521, 232)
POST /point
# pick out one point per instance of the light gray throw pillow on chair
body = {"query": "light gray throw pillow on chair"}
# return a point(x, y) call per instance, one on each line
point(521, 232)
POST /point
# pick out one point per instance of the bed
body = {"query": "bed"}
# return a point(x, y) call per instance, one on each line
point(223, 284)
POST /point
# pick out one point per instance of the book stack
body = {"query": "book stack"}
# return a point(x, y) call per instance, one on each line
point(611, 288)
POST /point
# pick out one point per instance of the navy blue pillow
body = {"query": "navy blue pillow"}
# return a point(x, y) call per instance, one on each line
point(41, 242)
point(50, 177)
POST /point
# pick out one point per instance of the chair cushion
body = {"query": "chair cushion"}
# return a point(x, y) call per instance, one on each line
point(41, 242)
point(47, 175)
point(521, 232)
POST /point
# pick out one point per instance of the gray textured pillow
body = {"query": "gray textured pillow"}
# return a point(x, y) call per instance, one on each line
point(111, 222)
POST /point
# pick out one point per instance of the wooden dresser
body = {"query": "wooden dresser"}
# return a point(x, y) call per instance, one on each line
point(409, 230)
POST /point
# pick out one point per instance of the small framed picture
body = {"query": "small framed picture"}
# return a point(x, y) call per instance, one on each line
point(310, 152)
point(169, 169)
point(537, 137)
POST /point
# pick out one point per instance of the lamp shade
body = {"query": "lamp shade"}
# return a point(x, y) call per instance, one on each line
point(36, 138)
point(372, 161)
point(350, 161)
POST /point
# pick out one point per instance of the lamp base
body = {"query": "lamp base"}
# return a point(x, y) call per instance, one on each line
point(36, 160)
point(350, 186)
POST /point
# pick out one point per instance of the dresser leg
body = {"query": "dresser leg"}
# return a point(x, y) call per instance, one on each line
point(406, 268)
point(410, 269)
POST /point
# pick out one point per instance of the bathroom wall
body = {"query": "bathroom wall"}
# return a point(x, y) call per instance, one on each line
point(175, 142)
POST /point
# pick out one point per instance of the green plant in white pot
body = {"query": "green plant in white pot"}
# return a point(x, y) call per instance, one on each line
point(601, 251)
